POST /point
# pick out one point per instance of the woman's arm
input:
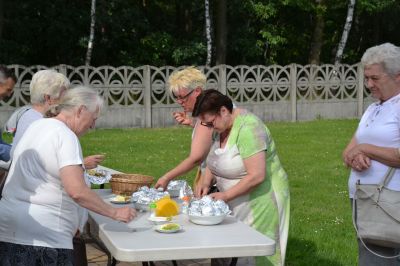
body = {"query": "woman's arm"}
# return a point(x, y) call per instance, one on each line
point(255, 168)
point(385, 155)
point(200, 147)
point(74, 185)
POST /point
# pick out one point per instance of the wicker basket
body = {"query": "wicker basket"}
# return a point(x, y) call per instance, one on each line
point(128, 183)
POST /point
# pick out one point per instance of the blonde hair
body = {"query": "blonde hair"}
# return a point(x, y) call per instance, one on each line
point(76, 97)
point(189, 78)
point(47, 82)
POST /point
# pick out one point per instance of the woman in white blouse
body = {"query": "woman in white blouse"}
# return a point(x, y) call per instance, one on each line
point(374, 146)
point(45, 188)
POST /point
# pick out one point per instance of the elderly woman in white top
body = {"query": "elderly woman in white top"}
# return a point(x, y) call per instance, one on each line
point(374, 146)
point(45, 186)
point(46, 88)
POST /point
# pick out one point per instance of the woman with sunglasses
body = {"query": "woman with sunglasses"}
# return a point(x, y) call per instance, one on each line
point(185, 86)
point(245, 166)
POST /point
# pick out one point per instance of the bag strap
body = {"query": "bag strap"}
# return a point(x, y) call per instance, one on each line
point(361, 240)
point(388, 176)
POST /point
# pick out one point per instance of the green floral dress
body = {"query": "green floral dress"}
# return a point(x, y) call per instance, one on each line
point(267, 207)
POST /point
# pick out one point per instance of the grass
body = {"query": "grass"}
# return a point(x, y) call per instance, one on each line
point(321, 232)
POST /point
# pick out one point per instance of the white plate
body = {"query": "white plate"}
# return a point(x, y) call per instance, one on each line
point(115, 201)
point(161, 228)
point(158, 219)
point(120, 202)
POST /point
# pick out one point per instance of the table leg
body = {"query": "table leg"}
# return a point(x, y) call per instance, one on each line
point(233, 262)
point(93, 238)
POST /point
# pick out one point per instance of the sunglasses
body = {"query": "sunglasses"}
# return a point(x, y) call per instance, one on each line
point(182, 98)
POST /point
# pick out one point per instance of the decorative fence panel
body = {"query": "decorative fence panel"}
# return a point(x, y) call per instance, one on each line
point(138, 97)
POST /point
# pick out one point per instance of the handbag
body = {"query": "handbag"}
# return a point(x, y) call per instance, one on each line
point(378, 214)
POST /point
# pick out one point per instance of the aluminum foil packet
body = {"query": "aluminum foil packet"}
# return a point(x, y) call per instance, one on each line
point(206, 206)
point(97, 176)
point(179, 188)
point(146, 195)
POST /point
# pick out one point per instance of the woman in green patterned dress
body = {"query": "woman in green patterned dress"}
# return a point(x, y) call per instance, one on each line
point(246, 169)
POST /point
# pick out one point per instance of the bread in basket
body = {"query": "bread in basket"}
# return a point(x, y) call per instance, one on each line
point(126, 184)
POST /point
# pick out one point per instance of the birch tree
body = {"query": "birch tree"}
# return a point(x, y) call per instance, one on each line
point(91, 37)
point(1, 18)
point(208, 32)
point(346, 30)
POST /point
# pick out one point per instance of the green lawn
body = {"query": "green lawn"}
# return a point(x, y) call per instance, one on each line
point(320, 229)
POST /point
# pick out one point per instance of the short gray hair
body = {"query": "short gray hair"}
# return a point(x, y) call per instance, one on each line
point(387, 55)
point(47, 82)
point(75, 98)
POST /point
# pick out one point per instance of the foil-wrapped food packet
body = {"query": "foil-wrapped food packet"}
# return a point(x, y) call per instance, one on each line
point(179, 188)
point(206, 206)
point(97, 176)
point(146, 195)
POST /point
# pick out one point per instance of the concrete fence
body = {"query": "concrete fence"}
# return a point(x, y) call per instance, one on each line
point(139, 97)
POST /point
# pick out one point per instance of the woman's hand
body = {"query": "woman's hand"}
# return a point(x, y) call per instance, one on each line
point(93, 161)
point(124, 214)
point(162, 182)
point(351, 154)
point(204, 184)
point(345, 155)
point(219, 196)
point(201, 190)
point(182, 118)
point(360, 162)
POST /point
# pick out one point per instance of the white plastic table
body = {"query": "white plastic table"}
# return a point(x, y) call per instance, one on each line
point(138, 241)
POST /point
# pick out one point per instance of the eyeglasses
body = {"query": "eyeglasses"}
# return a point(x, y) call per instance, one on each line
point(208, 124)
point(182, 98)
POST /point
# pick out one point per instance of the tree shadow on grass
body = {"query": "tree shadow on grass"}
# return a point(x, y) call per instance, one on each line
point(304, 252)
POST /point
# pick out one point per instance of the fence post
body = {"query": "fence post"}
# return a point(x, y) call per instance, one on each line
point(85, 80)
point(222, 79)
point(147, 95)
point(63, 69)
point(293, 91)
point(360, 90)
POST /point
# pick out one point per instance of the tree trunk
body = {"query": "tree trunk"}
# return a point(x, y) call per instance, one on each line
point(208, 32)
point(346, 30)
point(1, 19)
point(91, 37)
point(221, 32)
point(317, 39)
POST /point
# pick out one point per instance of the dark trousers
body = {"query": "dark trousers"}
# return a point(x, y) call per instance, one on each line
point(79, 251)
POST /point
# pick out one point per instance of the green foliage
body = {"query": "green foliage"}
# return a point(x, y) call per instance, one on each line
point(162, 32)
point(193, 52)
point(321, 231)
